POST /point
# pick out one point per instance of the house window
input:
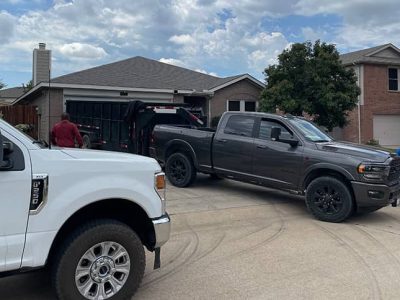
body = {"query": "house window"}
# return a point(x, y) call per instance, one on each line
point(233, 105)
point(241, 105)
point(393, 79)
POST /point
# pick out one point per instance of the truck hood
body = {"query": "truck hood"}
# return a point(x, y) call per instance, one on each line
point(86, 154)
point(363, 152)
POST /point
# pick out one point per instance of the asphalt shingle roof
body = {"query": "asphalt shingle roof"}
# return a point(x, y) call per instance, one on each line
point(361, 56)
point(11, 93)
point(140, 72)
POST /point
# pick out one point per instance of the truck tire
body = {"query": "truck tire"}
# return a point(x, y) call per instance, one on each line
point(329, 199)
point(180, 170)
point(103, 259)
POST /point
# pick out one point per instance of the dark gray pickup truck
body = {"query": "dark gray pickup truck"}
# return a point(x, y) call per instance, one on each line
point(286, 153)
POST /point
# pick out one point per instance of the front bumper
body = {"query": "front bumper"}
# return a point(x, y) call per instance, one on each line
point(162, 230)
point(367, 194)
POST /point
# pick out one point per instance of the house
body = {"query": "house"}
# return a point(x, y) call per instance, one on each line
point(138, 78)
point(8, 96)
point(377, 115)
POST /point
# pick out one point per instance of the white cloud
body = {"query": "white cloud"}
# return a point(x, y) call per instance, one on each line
point(205, 72)
point(365, 22)
point(182, 39)
point(173, 61)
point(215, 36)
point(6, 26)
point(79, 50)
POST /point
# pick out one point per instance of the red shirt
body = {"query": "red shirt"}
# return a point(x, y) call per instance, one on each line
point(64, 134)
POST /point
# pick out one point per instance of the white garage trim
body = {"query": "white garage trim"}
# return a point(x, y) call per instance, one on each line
point(387, 130)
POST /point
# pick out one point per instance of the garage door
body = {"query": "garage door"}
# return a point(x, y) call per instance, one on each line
point(387, 130)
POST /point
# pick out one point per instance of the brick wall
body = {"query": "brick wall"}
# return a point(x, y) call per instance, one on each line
point(242, 90)
point(378, 100)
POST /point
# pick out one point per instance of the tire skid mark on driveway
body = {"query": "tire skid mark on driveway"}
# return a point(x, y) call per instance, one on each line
point(175, 265)
point(265, 241)
point(380, 244)
point(211, 249)
point(358, 255)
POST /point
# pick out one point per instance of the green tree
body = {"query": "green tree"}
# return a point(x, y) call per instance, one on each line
point(28, 86)
point(2, 85)
point(309, 78)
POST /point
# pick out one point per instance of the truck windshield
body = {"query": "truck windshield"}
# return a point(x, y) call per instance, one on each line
point(310, 131)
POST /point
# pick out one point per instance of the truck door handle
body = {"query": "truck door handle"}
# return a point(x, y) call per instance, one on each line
point(262, 146)
point(222, 141)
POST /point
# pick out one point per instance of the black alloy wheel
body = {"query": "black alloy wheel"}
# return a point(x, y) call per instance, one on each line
point(329, 199)
point(180, 170)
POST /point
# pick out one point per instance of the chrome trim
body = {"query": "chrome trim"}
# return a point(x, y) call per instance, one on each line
point(45, 179)
point(162, 230)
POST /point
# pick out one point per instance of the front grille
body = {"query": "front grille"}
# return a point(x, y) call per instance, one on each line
point(394, 172)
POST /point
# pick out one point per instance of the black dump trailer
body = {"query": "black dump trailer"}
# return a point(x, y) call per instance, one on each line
point(126, 126)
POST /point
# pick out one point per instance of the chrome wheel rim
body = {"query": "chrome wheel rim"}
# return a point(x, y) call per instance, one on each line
point(102, 271)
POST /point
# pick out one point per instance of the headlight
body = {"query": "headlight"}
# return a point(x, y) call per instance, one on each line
point(160, 187)
point(373, 172)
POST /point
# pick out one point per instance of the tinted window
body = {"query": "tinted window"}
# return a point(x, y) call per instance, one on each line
point(234, 106)
point(240, 125)
point(266, 127)
point(16, 156)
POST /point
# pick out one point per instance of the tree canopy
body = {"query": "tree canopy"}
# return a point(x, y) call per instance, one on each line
point(2, 85)
point(309, 78)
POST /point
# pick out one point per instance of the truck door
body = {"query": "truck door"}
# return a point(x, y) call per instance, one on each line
point(233, 146)
point(276, 163)
point(15, 193)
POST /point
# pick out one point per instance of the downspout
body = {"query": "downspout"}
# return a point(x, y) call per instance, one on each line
point(359, 102)
point(361, 86)
point(359, 123)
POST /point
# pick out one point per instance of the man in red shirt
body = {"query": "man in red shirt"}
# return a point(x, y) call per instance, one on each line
point(65, 133)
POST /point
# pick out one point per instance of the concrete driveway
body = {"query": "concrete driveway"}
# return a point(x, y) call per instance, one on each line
point(237, 241)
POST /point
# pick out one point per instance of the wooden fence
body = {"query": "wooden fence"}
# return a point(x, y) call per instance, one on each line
point(21, 114)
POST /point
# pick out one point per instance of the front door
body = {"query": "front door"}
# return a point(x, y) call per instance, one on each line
point(276, 163)
point(15, 192)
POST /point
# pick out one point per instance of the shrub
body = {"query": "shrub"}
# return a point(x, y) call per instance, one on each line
point(24, 127)
point(373, 142)
point(215, 121)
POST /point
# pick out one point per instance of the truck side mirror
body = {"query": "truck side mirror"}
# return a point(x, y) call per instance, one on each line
point(276, 136)
point(275, 133)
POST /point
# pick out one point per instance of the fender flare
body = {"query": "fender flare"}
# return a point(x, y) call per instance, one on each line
point(326, 166)
point(180, 144)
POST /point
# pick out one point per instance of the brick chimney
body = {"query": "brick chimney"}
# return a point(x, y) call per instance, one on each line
point(41, 64)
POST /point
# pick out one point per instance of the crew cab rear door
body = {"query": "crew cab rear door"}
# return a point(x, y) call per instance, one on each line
point(15, 193)
point(233, 146)
point(275, 163)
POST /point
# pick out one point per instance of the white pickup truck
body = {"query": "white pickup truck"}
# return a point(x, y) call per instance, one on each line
point(85, 214)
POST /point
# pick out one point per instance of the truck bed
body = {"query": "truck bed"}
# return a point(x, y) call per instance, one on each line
point(199, 140)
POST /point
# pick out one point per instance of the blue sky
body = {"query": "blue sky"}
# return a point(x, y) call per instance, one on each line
point(218, 37)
